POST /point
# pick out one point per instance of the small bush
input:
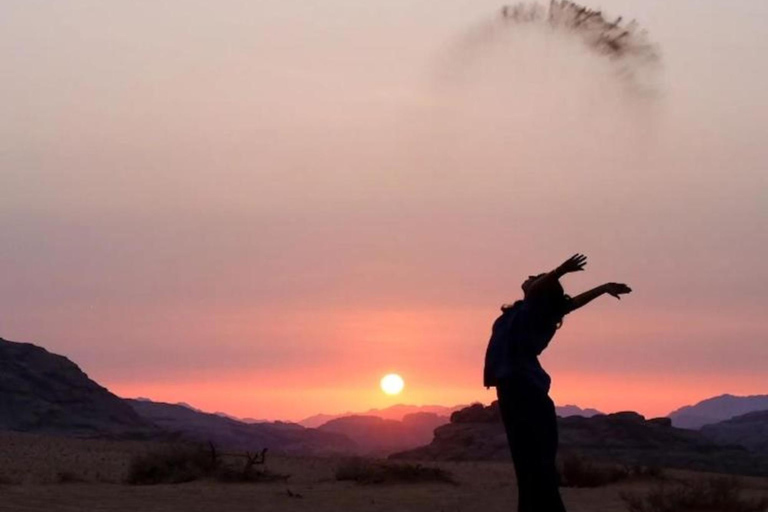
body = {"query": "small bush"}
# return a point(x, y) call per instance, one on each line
point(713, 495)
point(232, 474)
point(187, 463)
point(171, 466)
point(6, 481)
point(576, 471)
point(652, 472)
point(364, 471)
point(67, 477)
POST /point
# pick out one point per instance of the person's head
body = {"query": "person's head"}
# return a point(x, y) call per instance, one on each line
point(550, 301)
point(526, 286)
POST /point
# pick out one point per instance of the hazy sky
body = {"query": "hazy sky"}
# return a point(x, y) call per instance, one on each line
point(263, 207)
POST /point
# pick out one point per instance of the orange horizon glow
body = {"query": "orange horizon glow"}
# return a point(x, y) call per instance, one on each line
point(640, 396)
point(624, 375)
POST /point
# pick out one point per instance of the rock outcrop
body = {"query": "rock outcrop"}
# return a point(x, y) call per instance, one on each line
point(477, 413)
point(476, 433)
point(47, 393)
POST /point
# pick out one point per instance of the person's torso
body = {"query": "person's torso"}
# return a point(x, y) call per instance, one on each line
point(516, 342)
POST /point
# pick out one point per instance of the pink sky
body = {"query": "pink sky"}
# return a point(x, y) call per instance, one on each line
point(263, 207)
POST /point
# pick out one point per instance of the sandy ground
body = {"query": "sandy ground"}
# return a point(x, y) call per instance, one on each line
point(34, 472)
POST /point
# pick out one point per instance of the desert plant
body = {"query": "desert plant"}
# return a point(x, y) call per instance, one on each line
point(712, 495)
point(172, 465)
point(232, 474)
point(652, 472)
point(181, 464)
point(366, 471)
point(68, 477)
point(229, 473)
point(576, 471)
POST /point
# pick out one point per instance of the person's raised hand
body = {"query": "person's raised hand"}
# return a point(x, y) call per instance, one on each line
point(575, 263)
point(617, 289)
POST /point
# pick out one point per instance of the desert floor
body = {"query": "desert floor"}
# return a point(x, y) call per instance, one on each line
point(50, 474)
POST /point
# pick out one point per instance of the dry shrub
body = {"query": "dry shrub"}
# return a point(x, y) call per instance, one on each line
point(652, 472)
point(68, 477)
point(187, 463)
point(233, 474)
point(173, 465)
point(7, 481)
point(365, 471)
point(712, 495)
point(576, 471)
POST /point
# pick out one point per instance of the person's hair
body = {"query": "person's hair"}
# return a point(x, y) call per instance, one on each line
point(550, 304)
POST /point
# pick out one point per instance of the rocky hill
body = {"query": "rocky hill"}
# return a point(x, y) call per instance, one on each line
point(47, 393)
point(286, 438)
point(377, 436)
point(749, 430)
point(717, 409)
point(395, 412)
point(476, 433)
point(400, 411)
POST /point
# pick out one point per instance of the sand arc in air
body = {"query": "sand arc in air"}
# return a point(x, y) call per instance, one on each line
point(626, 46)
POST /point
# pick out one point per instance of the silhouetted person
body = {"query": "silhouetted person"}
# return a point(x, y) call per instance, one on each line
point(519, 335)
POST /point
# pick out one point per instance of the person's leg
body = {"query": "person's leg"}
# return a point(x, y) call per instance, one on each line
point(547, 494)
point(511, 414)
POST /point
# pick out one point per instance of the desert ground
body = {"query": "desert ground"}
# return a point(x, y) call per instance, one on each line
point(40, 473)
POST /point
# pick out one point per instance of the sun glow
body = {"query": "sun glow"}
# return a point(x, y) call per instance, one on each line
point(392, 384)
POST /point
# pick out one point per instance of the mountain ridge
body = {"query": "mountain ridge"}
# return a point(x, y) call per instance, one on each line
point(716, 409)
point(748, 430)
point(394, 412)
point(280, 437)
point(377, 436)
point(47, 393)
point(399, 411)
point(477, 433)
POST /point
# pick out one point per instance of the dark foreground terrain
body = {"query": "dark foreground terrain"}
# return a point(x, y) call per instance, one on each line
point(50, 474)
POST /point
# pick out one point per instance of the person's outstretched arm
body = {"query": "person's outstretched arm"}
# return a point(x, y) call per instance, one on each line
point(612, 289)
point(575, 263)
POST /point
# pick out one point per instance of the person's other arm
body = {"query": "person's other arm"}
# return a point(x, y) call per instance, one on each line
point(612, 289)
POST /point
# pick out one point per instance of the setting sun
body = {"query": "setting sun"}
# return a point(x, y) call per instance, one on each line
point(392, 384)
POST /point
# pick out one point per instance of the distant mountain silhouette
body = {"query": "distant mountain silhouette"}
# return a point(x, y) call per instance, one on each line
point(476, 433)
point(287, 438)
point(236, 418)
point(564, 411)
point(717, 409)
point(218, 413)
point(250, 420)
point(749, 430)
point(395, 412)
point(399, 411)
point(46, 393)
point(377, 436)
